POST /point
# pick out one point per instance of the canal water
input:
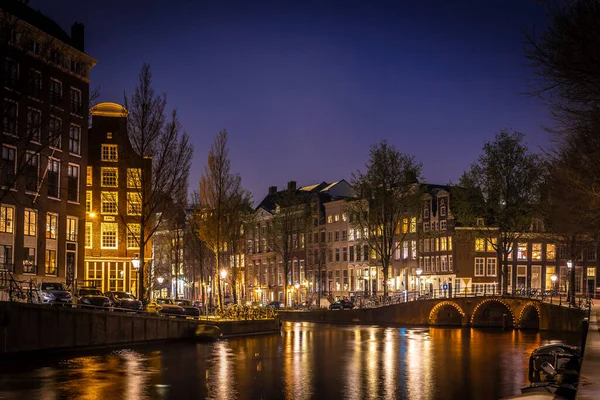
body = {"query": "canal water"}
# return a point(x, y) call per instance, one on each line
point(306, 361)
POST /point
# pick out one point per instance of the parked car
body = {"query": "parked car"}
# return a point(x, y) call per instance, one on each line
point(341, 305)
point(123, 301)
point(188, 308)
point(275, 305)
point(165, 307)
point(53, 293)
point(90, 297)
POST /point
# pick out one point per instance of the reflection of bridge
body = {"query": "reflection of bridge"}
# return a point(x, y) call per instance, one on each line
point(482, 311)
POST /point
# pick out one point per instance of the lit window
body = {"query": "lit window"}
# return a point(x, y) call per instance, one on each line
point(109, 152)
point(88, 235)
point(337, 217)
point(522, 251)
point(413, 249)
point(480, 244)
point(6, 219)
point(88, 201)
point(450, 243)
point(536, 251)
point(109, 202)
point(108, 235)
point(344, 217)
point(88, 178)
point(133, 236)
point(50, 262)
point(71, 229)
point(443, 244)
point(29, 222)
point(444, 261)
point(329, 219)
point(404, 225)
point(134, 178)
point(413, 224)
point(110, 177)
point(51, 226)
point(134, 203)
point(404, 250)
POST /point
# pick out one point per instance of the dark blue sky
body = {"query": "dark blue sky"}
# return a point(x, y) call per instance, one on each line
point(305, 87)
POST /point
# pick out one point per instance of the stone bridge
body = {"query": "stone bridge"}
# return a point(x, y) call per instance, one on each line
point(482, 311)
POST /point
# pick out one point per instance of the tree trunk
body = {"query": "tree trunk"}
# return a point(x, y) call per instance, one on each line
point(385, 279)
point(141, 274)
point(218, 279)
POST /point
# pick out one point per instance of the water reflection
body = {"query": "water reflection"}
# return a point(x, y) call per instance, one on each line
point(307, 361)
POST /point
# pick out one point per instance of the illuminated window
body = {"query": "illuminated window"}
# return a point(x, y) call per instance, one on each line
point(413, 224)
point(29, 222)
point(450, 243)
point(344, 217)
point(6, 219)
point(536, 251)
point(88, 201)
point(88, 235)
point(109, 152)
point(51, 226)
point(522, 251)
point(50, 262)
point(479, 266)
point(444, 261)
point(108, 235)
point(72, 229)
point(480, 244)
point(413, 249)
point(134, 178)
point(329, 219)
point(109, 203)
point(404, 250)
point(404, 225)
point(337, 217)
point(133, 236)
point(443, 244)
point(427, 264)
point(88, 179)
point(134, 203)
point(110, 177)
point(591, 272)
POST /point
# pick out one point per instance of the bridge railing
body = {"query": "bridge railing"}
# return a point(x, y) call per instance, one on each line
point(548, 296)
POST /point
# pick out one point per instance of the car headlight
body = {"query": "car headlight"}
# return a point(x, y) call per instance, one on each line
point(86, 301)
point(47, 295)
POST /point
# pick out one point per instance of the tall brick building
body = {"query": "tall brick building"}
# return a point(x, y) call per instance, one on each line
point(44, 99)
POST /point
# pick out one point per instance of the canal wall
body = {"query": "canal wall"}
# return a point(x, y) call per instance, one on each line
point(30, 327)
point(589, 375)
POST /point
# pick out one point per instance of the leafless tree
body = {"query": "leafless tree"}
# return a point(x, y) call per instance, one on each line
point(220, 195)
point(387, 193)
point(160, 165)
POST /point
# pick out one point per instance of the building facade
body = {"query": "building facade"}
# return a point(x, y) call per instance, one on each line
point(45, 90)
point(113, 203)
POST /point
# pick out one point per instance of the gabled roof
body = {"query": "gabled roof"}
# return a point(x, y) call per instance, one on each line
point(325, 191)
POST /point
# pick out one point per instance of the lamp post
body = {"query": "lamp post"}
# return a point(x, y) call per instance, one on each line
point(297, 286)
point(222, 292)
point(419, 271)
point(136, 267)
point(571, 288)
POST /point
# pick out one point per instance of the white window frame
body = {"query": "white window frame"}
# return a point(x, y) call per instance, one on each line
point(491, 266)
point(116, 177)
point(102, 230)
point(479, 266)
point(106, 156)
point(89, 230)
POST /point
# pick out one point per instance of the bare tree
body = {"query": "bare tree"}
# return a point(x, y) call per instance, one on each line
point(220, 194)
point(237, 221)
point(160, 165)
point(387, 193)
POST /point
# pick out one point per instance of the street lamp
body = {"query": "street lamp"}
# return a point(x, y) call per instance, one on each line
point(160, 280)
point(297, 286)
point(419, 272)
point(136, 267)
point(554, 278)
point(223, 276)
point(571, 289)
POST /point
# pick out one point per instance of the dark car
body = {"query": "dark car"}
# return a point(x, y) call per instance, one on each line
point(275, 305)
point(341, 305)
point(165, 307)
point(90, 298)
point(188, 308)
point(123, 301)
point(53, 293)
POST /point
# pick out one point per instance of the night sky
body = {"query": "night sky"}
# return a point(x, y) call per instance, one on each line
point(305, 87)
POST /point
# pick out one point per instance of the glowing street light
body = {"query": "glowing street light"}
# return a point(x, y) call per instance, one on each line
point(160, 280)
point(223, 274)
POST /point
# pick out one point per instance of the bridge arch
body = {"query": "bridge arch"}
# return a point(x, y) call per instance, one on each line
point(454, 314)
point(530, 316)
point(491, 311)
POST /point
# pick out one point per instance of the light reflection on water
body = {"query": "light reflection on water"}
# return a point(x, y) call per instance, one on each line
point(307, 361)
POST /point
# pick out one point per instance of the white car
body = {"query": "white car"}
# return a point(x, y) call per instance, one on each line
point(53, 293)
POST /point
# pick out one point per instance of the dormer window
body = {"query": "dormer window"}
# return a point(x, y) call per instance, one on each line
point(442, 207)
point(426, 211)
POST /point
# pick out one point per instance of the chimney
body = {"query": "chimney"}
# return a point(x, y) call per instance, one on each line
point(292, 186)
point(77, 36)
point(272, 190)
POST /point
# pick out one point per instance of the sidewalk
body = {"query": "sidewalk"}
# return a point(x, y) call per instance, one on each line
point(589, 379)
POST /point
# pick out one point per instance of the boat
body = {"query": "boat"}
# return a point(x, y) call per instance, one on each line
point(565, 390)
point(564, 359)
point(208, 332)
